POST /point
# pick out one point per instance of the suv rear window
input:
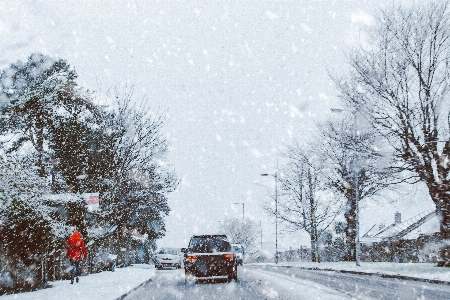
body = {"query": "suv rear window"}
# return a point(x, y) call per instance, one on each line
point(209, 244)
point(168, 251)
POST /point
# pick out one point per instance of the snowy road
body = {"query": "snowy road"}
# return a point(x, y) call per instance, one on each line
point(252, 284)
point(256, 282)
point(367, 287)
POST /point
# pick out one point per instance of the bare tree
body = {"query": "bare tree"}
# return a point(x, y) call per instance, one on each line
point(241, 232)
point(131, 154)
point(302, 206)
point(345, 156)
point(401, 80)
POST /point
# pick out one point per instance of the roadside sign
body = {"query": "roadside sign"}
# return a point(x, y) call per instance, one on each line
point(92, 200)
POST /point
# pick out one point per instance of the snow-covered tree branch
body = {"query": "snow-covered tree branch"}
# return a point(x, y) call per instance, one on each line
point(399, 78)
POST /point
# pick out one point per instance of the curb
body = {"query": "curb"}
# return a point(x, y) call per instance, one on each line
point(135, 288)
point(436, 281)
point(382, 275)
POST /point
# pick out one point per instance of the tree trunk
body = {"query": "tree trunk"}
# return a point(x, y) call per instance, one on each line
point(313, 246)
point(440, 194)
point(313, 221)
point(350, 230)
point(39, 142)
point(317, 245)
point(40, 150)
point(444, 213)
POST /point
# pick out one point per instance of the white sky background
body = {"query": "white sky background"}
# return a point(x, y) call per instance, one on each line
point(239, 79)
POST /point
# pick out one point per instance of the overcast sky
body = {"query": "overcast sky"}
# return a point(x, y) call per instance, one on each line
point(238, 79)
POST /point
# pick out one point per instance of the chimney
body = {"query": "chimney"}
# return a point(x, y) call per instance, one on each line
point(398, 218)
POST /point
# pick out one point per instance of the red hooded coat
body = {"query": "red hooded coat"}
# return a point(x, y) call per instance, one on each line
point(75, 247)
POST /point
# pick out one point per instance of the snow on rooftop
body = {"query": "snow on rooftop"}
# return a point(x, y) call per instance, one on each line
point(427, 228)
point(423, 223)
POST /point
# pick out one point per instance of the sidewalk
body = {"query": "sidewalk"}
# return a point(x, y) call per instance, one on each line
point(428, 272)
point(106, 285)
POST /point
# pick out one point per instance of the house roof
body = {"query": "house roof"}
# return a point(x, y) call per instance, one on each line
point(423, 223)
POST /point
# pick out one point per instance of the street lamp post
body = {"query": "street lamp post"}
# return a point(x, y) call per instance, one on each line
point(242, 209)
point(260, 226)
point(355, 184)
point(275, 175)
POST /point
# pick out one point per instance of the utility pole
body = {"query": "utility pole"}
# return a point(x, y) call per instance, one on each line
point(356, 182)
point(242, 209)
point(260, 226)
point(276, 218)
point(276, 212)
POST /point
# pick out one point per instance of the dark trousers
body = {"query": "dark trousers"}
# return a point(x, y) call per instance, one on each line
point(75, 269)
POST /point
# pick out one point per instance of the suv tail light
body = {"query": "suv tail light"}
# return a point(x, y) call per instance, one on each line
point(191, 258)
point(228, 257)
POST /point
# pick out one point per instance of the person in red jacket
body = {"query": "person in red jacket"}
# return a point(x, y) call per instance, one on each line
point(75, 252)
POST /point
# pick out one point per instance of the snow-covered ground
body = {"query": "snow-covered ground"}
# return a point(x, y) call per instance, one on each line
point(280, 286)
point(101, 286)
point(252, 284)
point(417, 270)
point(112, 285)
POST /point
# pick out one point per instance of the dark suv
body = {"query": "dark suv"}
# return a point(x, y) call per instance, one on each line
point(209, 257)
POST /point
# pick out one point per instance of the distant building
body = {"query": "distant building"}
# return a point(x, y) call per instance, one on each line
point(425, 223)
point(416, 239)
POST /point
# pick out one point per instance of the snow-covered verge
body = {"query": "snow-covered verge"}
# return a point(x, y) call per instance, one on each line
point(427, 271)
point(101, 286)
point(280, 286)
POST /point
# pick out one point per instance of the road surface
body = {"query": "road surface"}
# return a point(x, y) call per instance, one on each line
point(258, 282)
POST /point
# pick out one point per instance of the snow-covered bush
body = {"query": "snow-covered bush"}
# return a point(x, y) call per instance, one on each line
point(17, 276)
point(27, 228)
